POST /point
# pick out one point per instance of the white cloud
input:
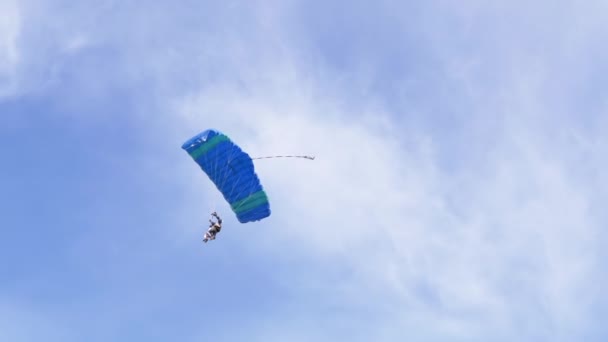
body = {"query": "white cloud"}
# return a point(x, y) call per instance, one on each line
point(504, 248)
point(10, 26)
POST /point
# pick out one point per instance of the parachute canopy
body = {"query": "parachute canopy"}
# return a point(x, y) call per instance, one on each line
point(232, 172)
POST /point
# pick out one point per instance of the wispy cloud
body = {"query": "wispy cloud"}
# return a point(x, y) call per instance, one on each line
point(503, 244)
point(487, 251)
point(457, 189)
point(10, 27)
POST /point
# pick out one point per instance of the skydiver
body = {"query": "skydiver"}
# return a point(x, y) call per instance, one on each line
point(214, 228)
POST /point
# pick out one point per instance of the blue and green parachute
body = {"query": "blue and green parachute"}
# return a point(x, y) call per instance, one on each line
point(231, 170)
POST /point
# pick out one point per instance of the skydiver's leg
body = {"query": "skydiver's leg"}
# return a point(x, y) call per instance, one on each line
point(208, 236)
point(213, 232)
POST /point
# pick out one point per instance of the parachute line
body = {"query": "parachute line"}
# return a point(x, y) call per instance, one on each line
point(304, 157)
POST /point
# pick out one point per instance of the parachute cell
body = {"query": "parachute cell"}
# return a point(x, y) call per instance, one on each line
point(231, 170)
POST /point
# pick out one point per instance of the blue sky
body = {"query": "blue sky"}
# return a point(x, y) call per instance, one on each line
point(458, 191)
